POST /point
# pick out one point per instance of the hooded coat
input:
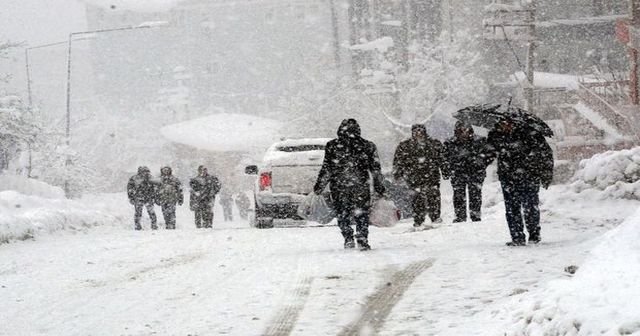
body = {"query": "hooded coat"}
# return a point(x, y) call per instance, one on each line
point(170, 189)
point(349, 163)
point(523, 156)
point(141, 188)
point(466, 158)
point(418, 162)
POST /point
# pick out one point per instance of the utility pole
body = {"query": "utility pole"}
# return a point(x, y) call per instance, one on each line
point(513, 22)
point(531, 51)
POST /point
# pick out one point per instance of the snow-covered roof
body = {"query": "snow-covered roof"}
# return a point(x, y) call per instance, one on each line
point(225, 132)
point(301, 142)
point(382, 45)
point(580, 21)
point(550, 80)
point(136, 5)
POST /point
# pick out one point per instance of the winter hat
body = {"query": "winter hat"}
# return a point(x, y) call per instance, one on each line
point(418, 129)
point(349, 128)
point(462, 126)
point(143, 169)
point(167, 169)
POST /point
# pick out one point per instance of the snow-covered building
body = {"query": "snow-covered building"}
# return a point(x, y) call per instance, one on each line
point(240, 55)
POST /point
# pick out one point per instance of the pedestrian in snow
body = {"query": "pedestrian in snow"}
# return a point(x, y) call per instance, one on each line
point(204, 188)
point(141, 190)
point(169, 194)
point(525, 161)
point(349, 162)
point(226, 201)
point(418, 161)
point(242, 202)
point(466, 163)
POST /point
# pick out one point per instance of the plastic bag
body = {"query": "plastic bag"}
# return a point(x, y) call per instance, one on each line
point(316, 208)
point(384, 213)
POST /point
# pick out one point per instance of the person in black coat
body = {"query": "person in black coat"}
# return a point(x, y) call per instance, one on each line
point(141, 191)
point(349, 162)
point(204, 188)
point(525, 162)
point(418, 161)
point(466, 163)
point(169, 194)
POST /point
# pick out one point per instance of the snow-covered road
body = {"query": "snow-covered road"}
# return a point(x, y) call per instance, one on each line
point(235, 280)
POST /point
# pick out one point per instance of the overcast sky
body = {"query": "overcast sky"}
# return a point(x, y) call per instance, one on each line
point(40, 21)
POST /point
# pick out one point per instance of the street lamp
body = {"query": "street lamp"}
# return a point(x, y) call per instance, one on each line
point(143, 25)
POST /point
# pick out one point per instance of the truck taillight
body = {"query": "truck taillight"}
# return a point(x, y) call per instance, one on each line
point(265, 181)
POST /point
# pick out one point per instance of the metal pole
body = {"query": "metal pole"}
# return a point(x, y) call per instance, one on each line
point(68, 115)
point(26, 61)
point(67, 161)
point(531, 50)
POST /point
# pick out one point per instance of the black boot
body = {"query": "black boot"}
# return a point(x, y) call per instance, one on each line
point(516, 243)
point(349, 243)
point(534, 239)
point(363, 244)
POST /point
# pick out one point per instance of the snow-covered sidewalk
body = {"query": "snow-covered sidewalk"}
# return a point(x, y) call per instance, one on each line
point(236, 280)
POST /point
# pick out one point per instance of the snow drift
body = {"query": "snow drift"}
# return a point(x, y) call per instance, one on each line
point(37, 208)
point(29, 186)
point(615, 174)
point(602, 298)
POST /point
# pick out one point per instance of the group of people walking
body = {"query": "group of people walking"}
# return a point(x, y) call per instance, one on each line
point(525, 162)
point(145, 192)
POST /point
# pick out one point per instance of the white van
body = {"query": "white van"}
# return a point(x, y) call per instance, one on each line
point(287, 174)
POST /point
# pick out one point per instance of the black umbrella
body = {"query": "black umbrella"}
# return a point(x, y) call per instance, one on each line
point(488, 115)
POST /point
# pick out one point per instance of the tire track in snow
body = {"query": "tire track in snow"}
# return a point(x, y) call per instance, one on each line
point(379, 305)
point(286, 318)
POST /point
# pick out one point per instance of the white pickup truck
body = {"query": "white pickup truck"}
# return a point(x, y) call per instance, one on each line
point(286, 175)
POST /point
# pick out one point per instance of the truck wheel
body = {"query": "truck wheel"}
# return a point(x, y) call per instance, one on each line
point(264, 223)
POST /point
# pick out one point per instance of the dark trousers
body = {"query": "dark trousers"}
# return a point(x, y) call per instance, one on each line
point(426, 200)
point(359, 217)
point(138, 214)
point(352, 207)
point(521, 200)
point(169, 214)
point(460, 187)
point(204, 216)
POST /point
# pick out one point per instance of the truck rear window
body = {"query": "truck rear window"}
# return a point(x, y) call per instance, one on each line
point(301, 148)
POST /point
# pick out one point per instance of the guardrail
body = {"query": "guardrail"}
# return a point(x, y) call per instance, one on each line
point(606, 109)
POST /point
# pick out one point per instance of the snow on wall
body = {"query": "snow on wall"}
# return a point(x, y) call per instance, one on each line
point(602, 298)
point(614, 174)
point(29, 186)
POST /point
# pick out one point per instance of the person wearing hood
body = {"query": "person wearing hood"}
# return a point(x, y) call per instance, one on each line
point(169, 194)
point(141, 191)
point(350, 165)
point(466, 163)
point(418, 161)
point(204, 188)
point(525, 162)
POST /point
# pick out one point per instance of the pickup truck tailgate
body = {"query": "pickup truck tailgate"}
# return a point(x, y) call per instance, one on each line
point(294, 179)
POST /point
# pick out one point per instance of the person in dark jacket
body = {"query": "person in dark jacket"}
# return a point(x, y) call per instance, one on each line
point(169, 194)
point(525, 161)
point(141, 190)
point(350, 162)
point(204, 188)
point(418, 161)
point(466, 163)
